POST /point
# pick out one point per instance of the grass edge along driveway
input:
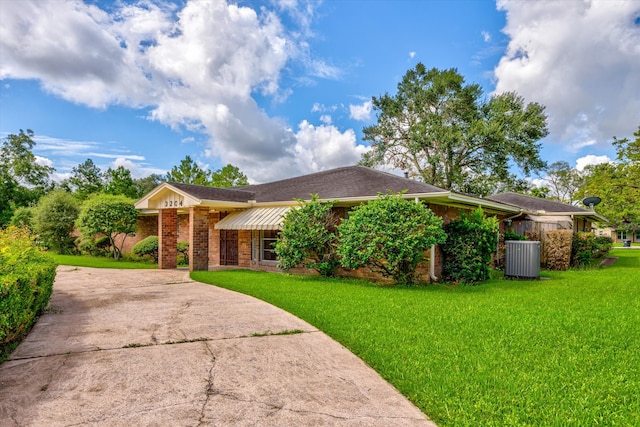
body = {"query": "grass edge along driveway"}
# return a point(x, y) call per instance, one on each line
point(558, 352)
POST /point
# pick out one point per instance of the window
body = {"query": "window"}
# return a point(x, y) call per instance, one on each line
point(601, 232)
point(622, 235)
point(637, 236)
point(268, 240)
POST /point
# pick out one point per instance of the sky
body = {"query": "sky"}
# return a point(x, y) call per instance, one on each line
point(282, 88)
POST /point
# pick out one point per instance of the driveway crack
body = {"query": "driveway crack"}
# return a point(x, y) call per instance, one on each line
point(210, 390)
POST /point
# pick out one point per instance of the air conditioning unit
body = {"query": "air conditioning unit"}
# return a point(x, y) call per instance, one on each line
point(522, 259)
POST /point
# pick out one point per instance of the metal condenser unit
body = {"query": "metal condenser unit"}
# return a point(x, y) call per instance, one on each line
point(522, 259)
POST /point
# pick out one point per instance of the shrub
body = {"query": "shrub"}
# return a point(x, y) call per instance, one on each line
point(586, 247)
point(26, 283)
point(557, 249)
point(183, 249)
point(22, 217)
point(147, 247)
point(471, 241)
point(54, 219)
point(308, 238)
point(389, 235)
point(511, 235)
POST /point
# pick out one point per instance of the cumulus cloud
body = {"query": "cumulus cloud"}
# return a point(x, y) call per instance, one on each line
point(581, 60)
point(486, 36)
point(196, 66)
point(591, 159)
point(361, 112)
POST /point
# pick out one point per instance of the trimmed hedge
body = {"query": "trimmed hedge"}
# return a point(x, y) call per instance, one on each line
point(26, 284)
point(586, 248)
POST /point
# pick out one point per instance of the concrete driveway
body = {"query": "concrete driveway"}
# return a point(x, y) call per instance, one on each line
point(152, 347)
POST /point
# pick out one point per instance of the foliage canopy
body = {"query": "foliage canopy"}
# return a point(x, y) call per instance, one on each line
point(442, 131)
point(110, 216)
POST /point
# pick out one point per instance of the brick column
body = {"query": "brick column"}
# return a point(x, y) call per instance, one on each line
point(244, 248)
point(167, 238)
point(198, 239)
point(214, 239)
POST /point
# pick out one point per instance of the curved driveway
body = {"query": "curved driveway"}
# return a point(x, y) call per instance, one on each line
point(152, 347)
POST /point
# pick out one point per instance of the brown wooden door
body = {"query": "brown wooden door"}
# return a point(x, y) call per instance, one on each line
point(228, 247)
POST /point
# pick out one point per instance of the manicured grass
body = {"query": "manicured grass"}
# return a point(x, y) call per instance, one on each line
point(99, 262)
point(557, 352)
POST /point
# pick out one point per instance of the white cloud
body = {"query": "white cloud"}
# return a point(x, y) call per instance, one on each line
point(486, 36)
point(580, 59)
point(43, 161)
point(326, 119)
point(361, 112)
point(591, 159)
point(412, 54)
point(196, 67)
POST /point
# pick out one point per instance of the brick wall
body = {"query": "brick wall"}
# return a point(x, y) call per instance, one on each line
point(146, 226)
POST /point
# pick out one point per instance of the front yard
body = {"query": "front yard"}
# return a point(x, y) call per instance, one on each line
point(563, 351)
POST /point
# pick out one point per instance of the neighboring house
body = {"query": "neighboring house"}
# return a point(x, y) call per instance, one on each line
point(619, 235)
point(237, 226)
point(542, 214)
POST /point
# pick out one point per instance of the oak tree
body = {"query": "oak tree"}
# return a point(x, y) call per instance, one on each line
point(443, 131)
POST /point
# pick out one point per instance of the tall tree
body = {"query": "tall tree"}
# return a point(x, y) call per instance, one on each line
point(564, 182)
point(444, 132)
point(85, 180)
point(618, 185)
point(228, 176)
point(188, 172)
point(54, 218)
point(119, 181)
point(22, 179)
point(148, 183)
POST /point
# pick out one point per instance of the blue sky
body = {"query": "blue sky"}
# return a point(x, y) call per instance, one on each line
point(282, 88)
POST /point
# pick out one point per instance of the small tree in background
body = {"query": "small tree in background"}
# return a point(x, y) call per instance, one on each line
point(54, 218)
point(109, 215)
point(308, 237)
point(389, 235)
point(471, 240)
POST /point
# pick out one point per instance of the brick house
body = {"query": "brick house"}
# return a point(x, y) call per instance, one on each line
point(237, 226)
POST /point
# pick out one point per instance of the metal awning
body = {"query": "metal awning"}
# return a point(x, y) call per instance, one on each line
point(254, 219)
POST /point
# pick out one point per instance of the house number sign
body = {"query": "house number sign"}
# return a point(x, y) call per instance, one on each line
point(172, 203)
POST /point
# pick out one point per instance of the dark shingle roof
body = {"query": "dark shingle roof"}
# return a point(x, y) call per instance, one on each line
point(204, 192)
point(534, 204)
point(350, 181)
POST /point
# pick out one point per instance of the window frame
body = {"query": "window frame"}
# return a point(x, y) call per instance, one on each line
point(264, 249)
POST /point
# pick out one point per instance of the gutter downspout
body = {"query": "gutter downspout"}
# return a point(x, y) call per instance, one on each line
point(432, 258)
point(432, 264)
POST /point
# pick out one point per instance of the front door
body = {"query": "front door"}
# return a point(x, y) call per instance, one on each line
point(228, 247)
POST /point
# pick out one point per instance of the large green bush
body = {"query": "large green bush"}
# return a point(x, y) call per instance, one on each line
point(26, 283)
point(586, 248)
point(308, 238)
point(471, 241)
point(147, 247)
point(390, 236)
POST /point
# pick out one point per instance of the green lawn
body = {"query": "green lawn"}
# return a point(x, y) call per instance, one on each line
point(558, 352)
point(97, 262)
